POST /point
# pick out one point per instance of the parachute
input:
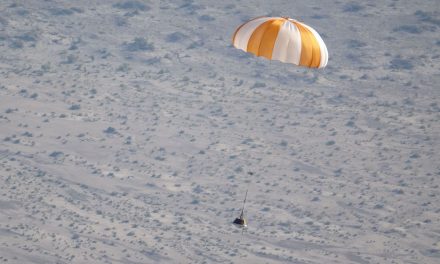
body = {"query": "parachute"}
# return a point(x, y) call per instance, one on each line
point(283, 39)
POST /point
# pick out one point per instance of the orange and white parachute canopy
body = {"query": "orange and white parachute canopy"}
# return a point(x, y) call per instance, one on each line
point(283, 39)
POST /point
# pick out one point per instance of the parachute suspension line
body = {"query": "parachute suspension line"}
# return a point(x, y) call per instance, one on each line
point(242, 211)
point(247, 189)
point(244, 202)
